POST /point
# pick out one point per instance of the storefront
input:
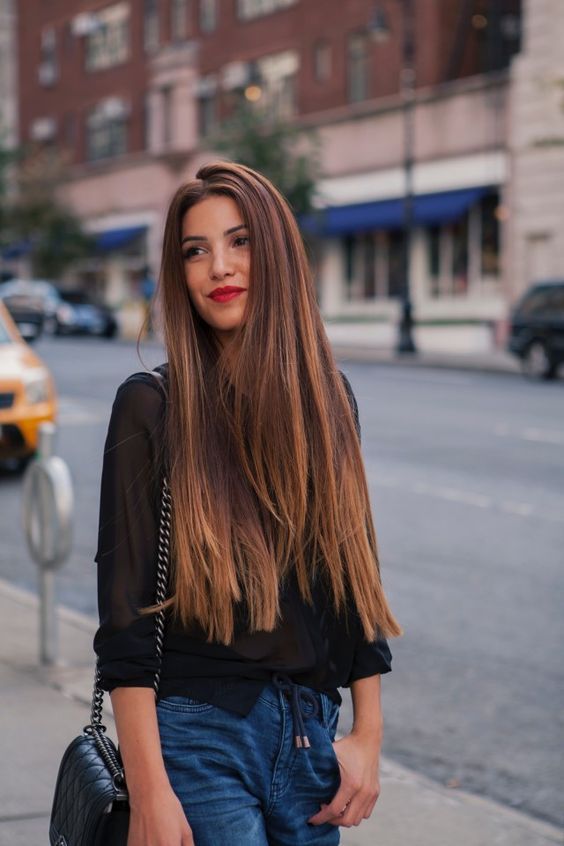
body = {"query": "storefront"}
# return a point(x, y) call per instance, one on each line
point(455, 253)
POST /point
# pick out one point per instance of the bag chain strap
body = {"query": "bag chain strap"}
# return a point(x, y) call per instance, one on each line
point(95, 728)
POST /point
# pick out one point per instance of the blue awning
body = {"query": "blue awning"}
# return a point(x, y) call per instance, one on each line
point(16, 250)
point(114, 239)
point(428, 209)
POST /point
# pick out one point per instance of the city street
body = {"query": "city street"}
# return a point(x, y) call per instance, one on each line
point(466, 474)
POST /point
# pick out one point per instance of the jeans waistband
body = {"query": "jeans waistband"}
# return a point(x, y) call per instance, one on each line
point(299, 697)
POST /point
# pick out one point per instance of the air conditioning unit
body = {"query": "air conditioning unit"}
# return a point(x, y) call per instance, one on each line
point(43, 129)
point(84, 24)
point(234, 75)
point(47, 73)
point(115, 107)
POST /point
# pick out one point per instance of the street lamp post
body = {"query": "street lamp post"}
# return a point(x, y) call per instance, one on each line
point(379, 30)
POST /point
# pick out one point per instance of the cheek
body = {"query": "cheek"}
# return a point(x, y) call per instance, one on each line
point(193, 282)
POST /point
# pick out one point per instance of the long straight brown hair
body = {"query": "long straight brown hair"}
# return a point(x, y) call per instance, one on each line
point(263, 456)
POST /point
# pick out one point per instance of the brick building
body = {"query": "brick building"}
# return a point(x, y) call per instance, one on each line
point(131, 89)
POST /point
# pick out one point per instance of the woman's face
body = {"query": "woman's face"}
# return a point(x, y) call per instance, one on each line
point(217, 255)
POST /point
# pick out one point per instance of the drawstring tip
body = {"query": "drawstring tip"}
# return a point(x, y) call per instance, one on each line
point(306, 742)
point(298, 742)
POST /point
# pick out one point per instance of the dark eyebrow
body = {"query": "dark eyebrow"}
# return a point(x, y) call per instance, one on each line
point(227, 232)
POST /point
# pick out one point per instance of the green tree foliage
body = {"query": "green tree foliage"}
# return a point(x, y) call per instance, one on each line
point(32, 214)
point(286, 154)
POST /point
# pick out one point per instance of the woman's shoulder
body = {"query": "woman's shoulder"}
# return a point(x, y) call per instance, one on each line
point(142, 396)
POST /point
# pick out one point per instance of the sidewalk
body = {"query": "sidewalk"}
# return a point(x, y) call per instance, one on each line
point(452, 347)
point(41, 710)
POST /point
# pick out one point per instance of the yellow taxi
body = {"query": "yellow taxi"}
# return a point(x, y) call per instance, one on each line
point(27, 395)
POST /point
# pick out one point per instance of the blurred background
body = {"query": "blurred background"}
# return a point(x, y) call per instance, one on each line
point(420, 144)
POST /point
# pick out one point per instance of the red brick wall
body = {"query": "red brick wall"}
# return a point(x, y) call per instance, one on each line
point(77, 90)
point(298, 27)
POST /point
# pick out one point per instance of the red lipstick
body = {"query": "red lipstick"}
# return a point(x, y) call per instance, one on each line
point(226, 293)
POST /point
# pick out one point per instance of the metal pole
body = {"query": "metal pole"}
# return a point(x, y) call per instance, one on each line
point(48, 635)
point(48, 629)
point(47, 521)
point(405, 342)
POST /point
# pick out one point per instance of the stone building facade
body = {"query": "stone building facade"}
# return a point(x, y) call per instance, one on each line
point(535, 247)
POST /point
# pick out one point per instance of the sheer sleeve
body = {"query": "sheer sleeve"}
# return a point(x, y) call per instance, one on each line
point(370, 657)
point(127, 538)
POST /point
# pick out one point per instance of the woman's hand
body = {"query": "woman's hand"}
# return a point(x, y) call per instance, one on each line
point(158, 820)
point(359, 762)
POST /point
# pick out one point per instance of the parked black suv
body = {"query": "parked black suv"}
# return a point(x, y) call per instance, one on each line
point(536, 333)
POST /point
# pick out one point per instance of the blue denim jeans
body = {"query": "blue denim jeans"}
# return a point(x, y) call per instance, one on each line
point(241, 780)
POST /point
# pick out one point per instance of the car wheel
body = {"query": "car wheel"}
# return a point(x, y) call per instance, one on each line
point(50, 325)
point(536, 363)
point(17, 466)
point(110, 331)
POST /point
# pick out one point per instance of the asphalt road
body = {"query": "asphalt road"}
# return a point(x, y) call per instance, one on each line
point(466, 473)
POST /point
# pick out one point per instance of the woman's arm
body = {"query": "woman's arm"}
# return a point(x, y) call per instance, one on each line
point(358, 754)
point(157, 817)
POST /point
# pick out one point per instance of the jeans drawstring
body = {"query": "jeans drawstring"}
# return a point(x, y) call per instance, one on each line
point(298, 697)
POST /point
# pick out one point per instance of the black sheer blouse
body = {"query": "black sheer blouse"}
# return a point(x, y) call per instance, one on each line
point(312, 645)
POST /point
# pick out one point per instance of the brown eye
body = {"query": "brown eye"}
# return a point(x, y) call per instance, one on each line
point(191, 251)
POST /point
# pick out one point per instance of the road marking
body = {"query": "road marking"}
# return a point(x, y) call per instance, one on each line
point(454, 495)
point(543, 436)
point(523, 509)
point(531, 434)
point(76, 413)
point(474, 499)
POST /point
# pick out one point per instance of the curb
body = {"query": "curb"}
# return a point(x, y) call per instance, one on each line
point(375, 355)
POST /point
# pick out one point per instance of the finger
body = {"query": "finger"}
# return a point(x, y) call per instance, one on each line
point(369, 808)
point(352, 814)
point(339, 802)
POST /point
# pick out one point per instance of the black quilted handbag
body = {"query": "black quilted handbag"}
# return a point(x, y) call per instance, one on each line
point(91, 805)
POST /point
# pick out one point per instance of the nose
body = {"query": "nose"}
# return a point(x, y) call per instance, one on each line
point(220, 265)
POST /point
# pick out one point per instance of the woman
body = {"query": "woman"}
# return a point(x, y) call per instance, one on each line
point(275, 597)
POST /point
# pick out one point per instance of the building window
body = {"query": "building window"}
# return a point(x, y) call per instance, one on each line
point(322, 61)
point(48, 70)
point(107, 44)
point(459, 233)
point(207, 107)
point(179, 19)
point(151, 26)
point(366, 265)
point(395, 263)
point(166, 98)
point(248, 9)
point(106, 130)
point(490, 235)
point(208, 15)
point(146, 107)
point(276, 75)
point(434, 259)
point(357, 63)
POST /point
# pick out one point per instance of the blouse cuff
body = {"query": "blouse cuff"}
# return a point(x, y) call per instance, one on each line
point(370, 659)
